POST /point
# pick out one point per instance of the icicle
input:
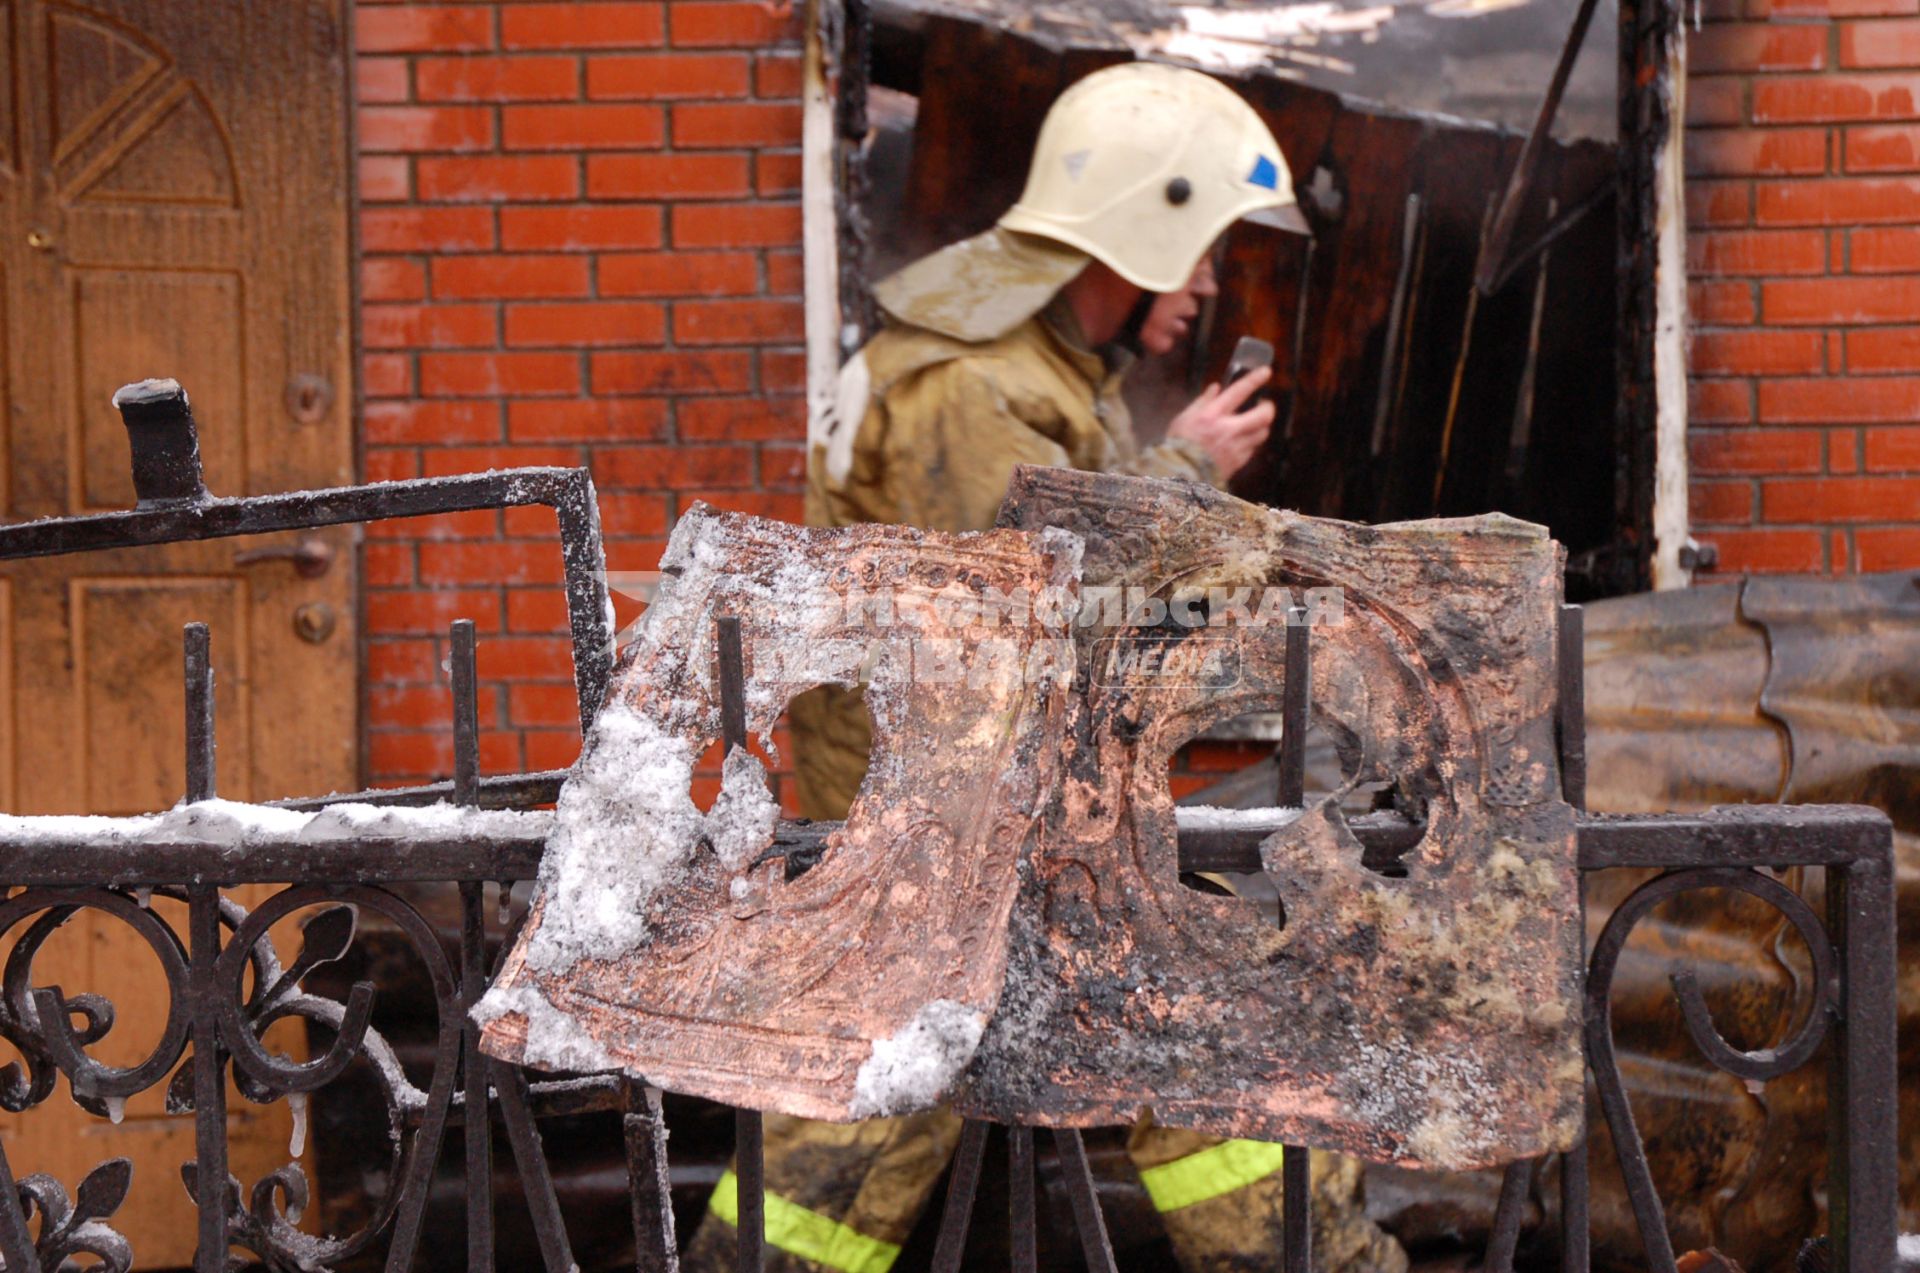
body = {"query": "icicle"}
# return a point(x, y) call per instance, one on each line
point(116, 1109)
point(143, 897)
point(506, 902)
point(297, 1143)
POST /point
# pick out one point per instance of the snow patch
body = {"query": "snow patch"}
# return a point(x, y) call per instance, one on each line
point(741, 822)
point(554, 1039)
point(1206, 817)
point(913, 1069)
point(232, 824)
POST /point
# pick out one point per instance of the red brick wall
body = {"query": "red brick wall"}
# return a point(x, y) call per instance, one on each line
point(1803, 165)
point(580, 228)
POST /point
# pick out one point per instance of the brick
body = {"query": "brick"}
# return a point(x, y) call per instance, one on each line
point(511, 277)
point(480, 523)
point(582, 127)
point(1719, 203)
point(583, 325)
point(742, 419)
point(425, 128)
point(1719, 402)
point(786, 506)
point(426, 229)
point(679, 274)
point(625, 514)
point(581, 26)
point(777, 75)
point(777, 173)
point(1724, 503)
point(551, 749)
point(1727, 152)
point(755, 322)
point(1840, 499)
point(580, 229)
point(661, 76)
point(1839, 300)
point(386, 278)
point(427, 326)
point(430, 423)
point(385, 179)
point(447, 461)
point(1836, 98)
point(783, 371)
point(672, 467)
point(386, 376)
point(1882, 148)
point(1716, 103)
point(1844, 400)
point(747, 225)
point(1721, 304)
point(1737, 252)
point(1880, 45)
point(529, 522)
point(401, 662)
point(1842, 451)
point(382, 465)
point(429, 613)
point(783, 467)
point(1715, 452)
point(712, 371)
point(529, 658)
point(786, 274)
point(588, 420)
point(422, 28)
point(1758, 353)
point(500, 563)
point(1768, 552)
point(536, 610)
point(742, 22)
point(422, 754)
point(496, 79)
point(1882, 349)
point(498, 177)
point(543, 705)
point(732, 124)
point(1837, 201)
point(485, 375)
point(386, 565)
point(1831, 8)
point(1887, 548)
point(424, 706)
point(674, 176)
point(1894, 450)
point(380, 79)
point(1884, 251)
point(1743, 47)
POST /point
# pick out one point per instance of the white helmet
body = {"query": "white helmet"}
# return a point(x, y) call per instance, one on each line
point(1142, 166)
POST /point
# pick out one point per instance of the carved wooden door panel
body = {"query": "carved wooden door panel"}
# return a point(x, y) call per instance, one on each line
point(174, 201)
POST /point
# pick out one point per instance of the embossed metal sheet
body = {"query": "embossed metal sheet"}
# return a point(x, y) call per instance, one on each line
point(843, 992)
point(1429, 1020)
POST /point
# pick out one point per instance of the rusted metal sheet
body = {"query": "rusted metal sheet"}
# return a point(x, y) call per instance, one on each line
point(666, 942)
point(1427, 1020)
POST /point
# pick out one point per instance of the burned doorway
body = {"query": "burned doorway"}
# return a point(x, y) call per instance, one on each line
point(1449, 341)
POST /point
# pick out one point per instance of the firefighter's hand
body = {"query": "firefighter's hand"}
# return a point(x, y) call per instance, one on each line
point(1221, 424)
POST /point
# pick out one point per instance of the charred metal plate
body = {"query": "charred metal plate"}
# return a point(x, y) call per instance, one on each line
point(1430, 1020)
point(666, 941)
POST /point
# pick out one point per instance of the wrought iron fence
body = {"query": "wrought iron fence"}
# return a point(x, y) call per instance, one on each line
point(226, 987)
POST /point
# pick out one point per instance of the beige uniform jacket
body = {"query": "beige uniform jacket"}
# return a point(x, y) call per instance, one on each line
point(941, 423)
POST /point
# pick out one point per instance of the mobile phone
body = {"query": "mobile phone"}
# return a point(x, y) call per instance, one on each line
point(1249, 353)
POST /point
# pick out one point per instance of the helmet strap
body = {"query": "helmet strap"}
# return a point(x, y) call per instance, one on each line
point(1128, 337)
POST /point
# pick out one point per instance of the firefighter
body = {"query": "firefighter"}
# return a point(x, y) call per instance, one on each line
point(1004, 349)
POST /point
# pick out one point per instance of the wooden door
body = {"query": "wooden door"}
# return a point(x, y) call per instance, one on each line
point(174, 201)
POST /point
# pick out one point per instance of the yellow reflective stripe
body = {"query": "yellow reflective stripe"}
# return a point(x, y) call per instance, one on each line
point(1230, 1165)
point(808, 1235)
